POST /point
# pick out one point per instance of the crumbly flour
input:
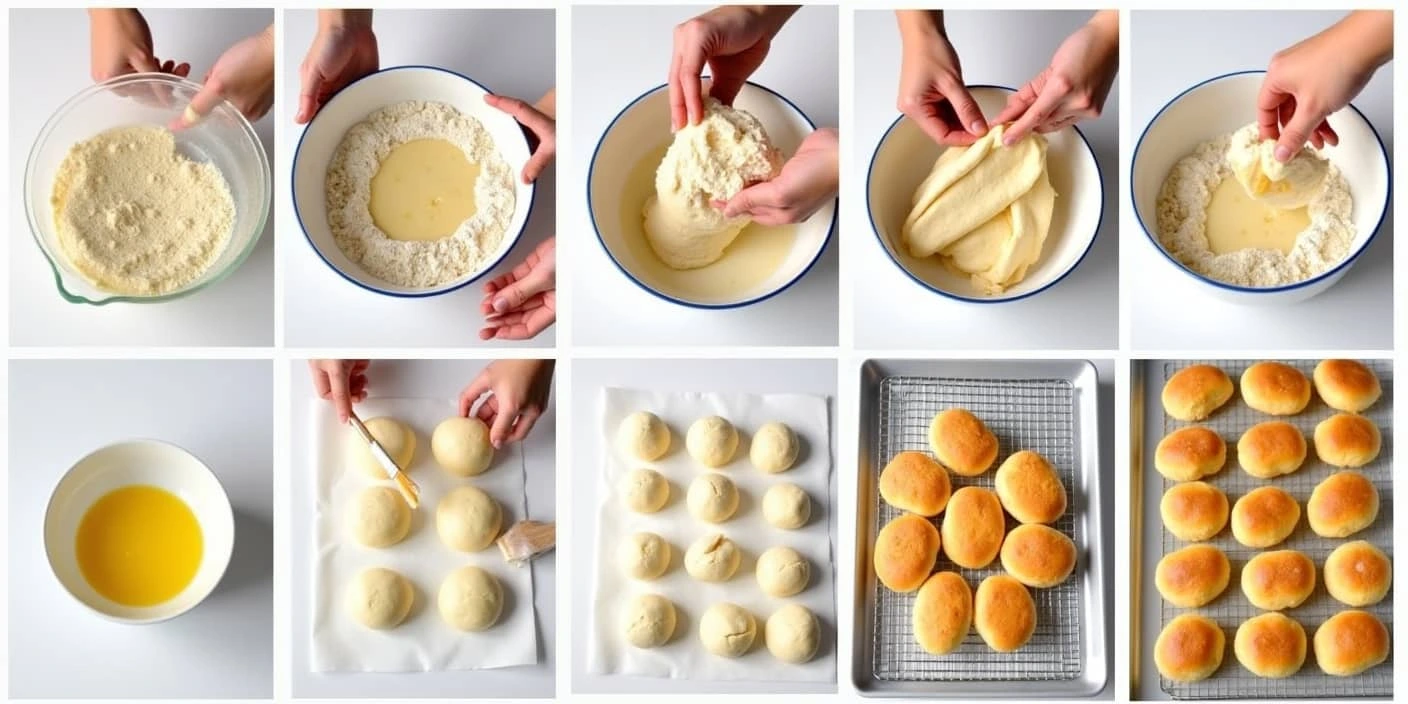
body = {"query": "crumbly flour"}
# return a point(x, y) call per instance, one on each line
point(422, 264)
point(1182, 220)
point(136, 217)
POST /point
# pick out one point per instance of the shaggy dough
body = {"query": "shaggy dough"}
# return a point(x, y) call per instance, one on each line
point(792, 634)
point(645, 491)
point(468, 519)
point(379, 517)
point(471, 599)
point(649, 621)
point(461, 446)
point(711, 441)
point(727, 630)
point(712, 498)
point(783, 572)
point(395, 437)
point(380, 598)
point(774, 448)
point(787, 506)
point(644, 556)
point(644, 436)
point(713, 160)
point(1284, 186)
point(712, 558)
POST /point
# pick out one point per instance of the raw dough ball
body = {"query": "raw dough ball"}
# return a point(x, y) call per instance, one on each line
point(711, 441)
point(645, 491)
point(395, 437)
point(379, 598)
point(461, 446)
point(728, 630)
point(644, 555)
point(649, 621)
point(774, 448)
point(787, 506)
point(468, 519)
point(379, 517)
point(783, 572)
point(644, 436)
point(712, 558)
point(471, 599)
point(1282, 185)
point(792, 634)
point(712, 498)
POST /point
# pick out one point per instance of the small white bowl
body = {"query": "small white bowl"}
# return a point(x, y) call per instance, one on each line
point(139, 462)
point(641, 129)
point(906, 155)
point(351, 105)
point(1221, 105)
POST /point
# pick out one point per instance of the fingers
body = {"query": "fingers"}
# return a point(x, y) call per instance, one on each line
point(517, 293)
point(542, 156)
point(1268, 109)
point(500, 429)
point(689, 61)
point(519, 325)
point(541, 125)
point(145, 63)
point(970, 116)
point(1328, 134)
point(202, 103)
point(1297, 132)
point(1039, 112)
point(341, 400)
point(678, 113)
point(471, 393)
point(488, 410)
point(308, 98)
point(766, 194)
point(526, 419)
point(1016, 105)
point(320, 380)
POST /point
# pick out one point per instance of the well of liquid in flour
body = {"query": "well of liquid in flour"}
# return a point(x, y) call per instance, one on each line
point(1236, 222)
point(423, 190)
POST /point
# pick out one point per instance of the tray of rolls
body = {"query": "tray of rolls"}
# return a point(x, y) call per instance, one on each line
point(979, 565)
point(1267, 511)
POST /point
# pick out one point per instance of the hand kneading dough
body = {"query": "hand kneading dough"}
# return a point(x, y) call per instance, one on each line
point(1038, 556)
point(1191, 453)
point(712, 497)
point(1347, 440)
point(395, 437)
point(1346, 385)
point(1192, 576)
point(1358, 574)
point(1264, 517)
point(711, 441)
point(792, 634)
point(712, 558)
point(1194, 511)
point(461, 446)
point(727, 151)
point(787, 506)
point(645, 491)
point(643, 555)
point(1194, 392)
point(1342, 505)
point(913, 482)
point(973, 527)
point(727, 630)
point(468, 519)
point(1004, 613)
point(471, 599)
point(1189, 648)
point(379, 598)
point(649, 621)
point(1278, 579)
point(1029, 488)
point(905, 551)
point(943, 613)
point(379, 517)
point(774, 448)
point(783, 572)
point(1270, 645)
point(644, 436)
point(962, 443)
point(1271, 449)
point(1276, 388)
point(1350, 642)
point(1285, 186)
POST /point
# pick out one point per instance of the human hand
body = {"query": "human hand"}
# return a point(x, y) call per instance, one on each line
point(518, 393)
point(808, 181)
point(121, 43)
point(539, 122)
point(341, 381)
point(733, 41)
point(1074, 87)
point(522, 303)
point(343, 51)
point(931, 92)
point(243, 75)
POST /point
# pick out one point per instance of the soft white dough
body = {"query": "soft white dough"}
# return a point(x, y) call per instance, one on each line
point(783, 571)
point(711, 441)
point(645, 491)
point(395, 437)
point(774, 448)
point(792, 634)
point(712, 558)
point(379, 598)
point(461, 446)
point(1286, 186)
point(649, 621)
point(379, 517)
point(643, 436)
point(471, 599)
point(727, 630)
point(787, 506)
point(712, 498)
point(468, 519)
point(643, 555)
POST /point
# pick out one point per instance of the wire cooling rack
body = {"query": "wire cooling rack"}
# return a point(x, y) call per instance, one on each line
point(1036, 415)
point(1230, 609)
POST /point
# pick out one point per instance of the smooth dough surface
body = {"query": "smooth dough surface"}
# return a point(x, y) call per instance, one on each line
point(711, 441)
point(645, 491)
point(774, 448)
point(379, 598)
point(792, 634)
point(643, 436)
point(395, 437)
point(468, 519)
point(787, 506)
point(712, 498)
point(783, 571)
point(461, 446)
point(471, 599)
point(379, 517)
point(727, 630)
point(649, 621)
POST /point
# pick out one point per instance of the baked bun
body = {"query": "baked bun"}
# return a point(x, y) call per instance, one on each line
point(1342, 505)
point(914, 482)
point(1004, 613)
point(973, 527)
point(1189, 648)
point(1194, 511)
point(1346, 385)
point(943, 613)
point(1270, 645)
point(1192, 576)
point(1264, 517)
point(1275, 388)
point(1038, 556)
point(1029, 488)
point(1347, 440)
point(1271, 449)
point(1194, 392)
point(1278, 579)
point(1190, 453)
point(905, 552)
point(962, 443)
point(1358, 574)
point(1350, 642)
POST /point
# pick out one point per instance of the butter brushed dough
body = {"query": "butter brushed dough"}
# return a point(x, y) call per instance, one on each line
point(395, 437)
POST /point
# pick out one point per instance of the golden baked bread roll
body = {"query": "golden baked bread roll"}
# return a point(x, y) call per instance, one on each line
point(943, 613)
point(1358, 574)
point(1004, 613)
point(1192, 576)
point(1194, 392)
point(962, 443)
point(1194, 511)
point(1276, 388)
point(1189, 648)
point(1270, 645)
point(914, 482)
point(1350, 642)
point(1347, 440)
point(1342, 505)
point(1038, 556)
point(1029, 488)
point(1278, 579)
point(1190, 453)
point(1271, 449)
point(1264, 517)
point(1346, 385)
point(905, 552)
point(973, 527)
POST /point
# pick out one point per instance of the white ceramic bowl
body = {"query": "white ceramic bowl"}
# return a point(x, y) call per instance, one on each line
point(641, 129)
point(905, 156)
point(147, 462)
point(1221, 105)
point(351, 105)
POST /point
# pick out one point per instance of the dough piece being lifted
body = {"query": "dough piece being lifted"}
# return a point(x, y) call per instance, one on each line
point(1275, 388)
point(1346, 385)
point(471, 599)
point(461, 446)
point(787, 506)
point(711, 441)
point(468, 519)
point(914, 482)
point(1194, 392)
point(395, 437)
point(792, 634)
point(380, 598)
point(379, 517)
point(774, 448)
point(649, 621)
point(962, 443)
point(1284, 186)
point(643, 436)
point(1029, 488)
point(727, 630)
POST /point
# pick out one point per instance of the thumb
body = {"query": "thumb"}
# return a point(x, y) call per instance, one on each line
point(308, 98)
point(515, 294)
point(755, 196)
point(202, 103)
point(503, 423)
point(1296, 133)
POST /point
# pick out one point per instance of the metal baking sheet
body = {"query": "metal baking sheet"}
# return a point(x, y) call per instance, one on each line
point(1048, 407)
point(1232, 681)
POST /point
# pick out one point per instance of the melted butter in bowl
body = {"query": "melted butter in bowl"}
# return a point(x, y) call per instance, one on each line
point(423, 190)
point(139, 545)
point(1236, 221)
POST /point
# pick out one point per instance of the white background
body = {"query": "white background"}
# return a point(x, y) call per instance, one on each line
point(217, 410)
point(510, 52)
point(892, 311)
point(621, 52)
point(49, 62)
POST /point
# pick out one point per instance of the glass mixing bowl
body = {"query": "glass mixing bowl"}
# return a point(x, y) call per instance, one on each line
point(224, 138)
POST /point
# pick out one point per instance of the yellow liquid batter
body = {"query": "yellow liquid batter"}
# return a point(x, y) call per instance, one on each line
point(139, 545)
point(1236, 222)
point(752, 258)
point(423, 190)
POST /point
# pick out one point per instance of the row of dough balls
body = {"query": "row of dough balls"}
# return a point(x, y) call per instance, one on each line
point(1190, 648)
point(1268, 450)
point(1195, 392)
point(711, 441)
point(791, 633)
point(459, 445)
point(470, 599)
point(1356, 574)
point(467, 518)
point(1340, 506)
point(714, 498)
point(780, 571)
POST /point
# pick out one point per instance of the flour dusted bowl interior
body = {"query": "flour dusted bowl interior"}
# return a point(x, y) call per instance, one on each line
point(1221, 105)
point(224, 138)
point(353, 104)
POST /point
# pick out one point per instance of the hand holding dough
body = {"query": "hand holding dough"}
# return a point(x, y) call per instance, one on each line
point(1287, 185)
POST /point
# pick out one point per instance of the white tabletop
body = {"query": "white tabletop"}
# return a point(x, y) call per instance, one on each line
point(431, 379)
point(619, 53)
point(1169, 312)
point(891, 311)
point(219, 411)
point(238, 311)
point(321, 309)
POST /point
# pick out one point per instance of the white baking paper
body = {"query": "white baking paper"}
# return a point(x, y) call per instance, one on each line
point(424, 641)
point(684, 656)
